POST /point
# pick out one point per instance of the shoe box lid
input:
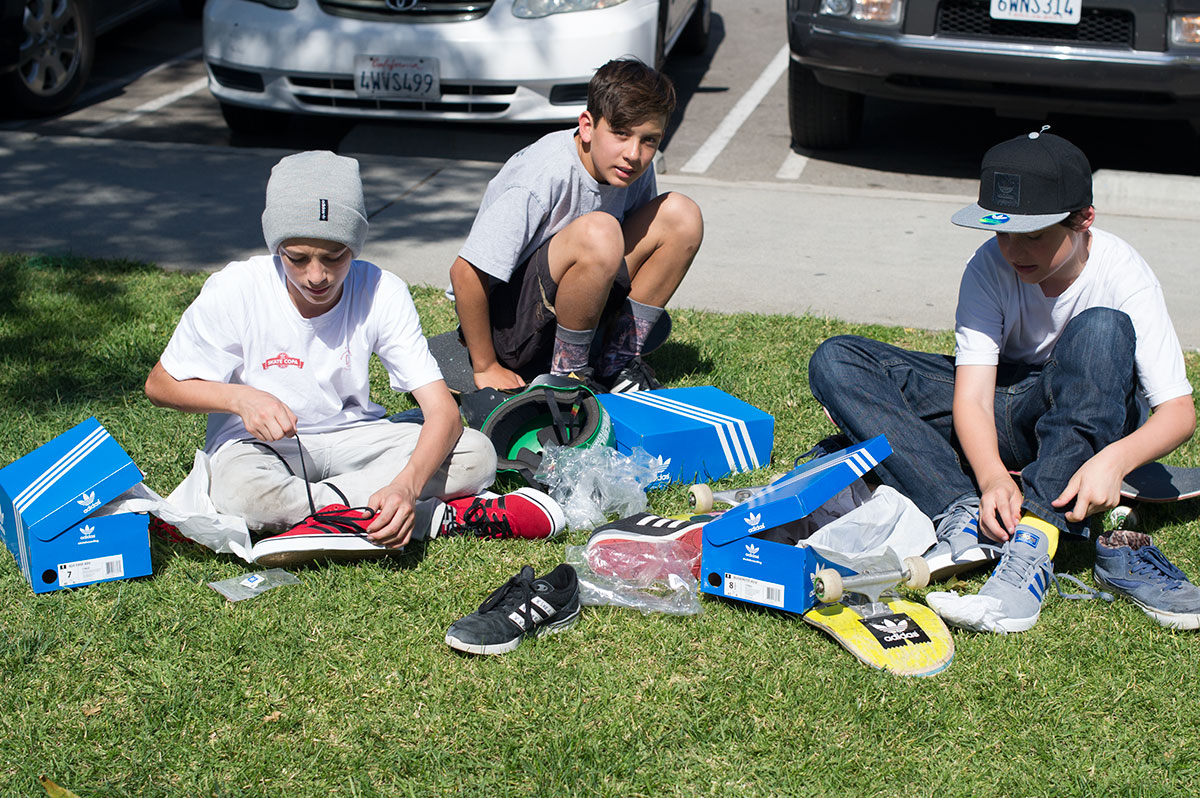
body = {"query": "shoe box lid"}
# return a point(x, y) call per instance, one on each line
point(797, 493)
point(701, 433)
point(45, 494)
point(735, 565)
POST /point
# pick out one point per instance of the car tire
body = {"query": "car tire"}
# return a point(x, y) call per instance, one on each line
point(660, 36)
point(192, 9)
point(822, 118)
point(52, 69)
point(252, 121)
point(694, 38)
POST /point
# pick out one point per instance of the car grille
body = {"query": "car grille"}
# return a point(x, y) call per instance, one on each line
point(408, 11)
point(457, 98)
point(1097, 26)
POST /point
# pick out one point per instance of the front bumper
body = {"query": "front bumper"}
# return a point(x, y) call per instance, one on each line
point(495, 68)
point(1012, 77)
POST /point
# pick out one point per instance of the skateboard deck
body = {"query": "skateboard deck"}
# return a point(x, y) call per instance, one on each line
point(1156, 482)
point(893, 634)
point(453, 360)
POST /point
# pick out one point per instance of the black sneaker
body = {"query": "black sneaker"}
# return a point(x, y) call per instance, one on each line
point(524, 606)
point(636, 375)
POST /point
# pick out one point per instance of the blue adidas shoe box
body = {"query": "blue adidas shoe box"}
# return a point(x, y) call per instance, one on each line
point(46, 501)
point(702, 433)
point(737, 565)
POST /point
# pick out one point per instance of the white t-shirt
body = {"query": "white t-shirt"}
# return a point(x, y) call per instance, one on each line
point(1000, 318)
point(538, 192)
point(244, 329)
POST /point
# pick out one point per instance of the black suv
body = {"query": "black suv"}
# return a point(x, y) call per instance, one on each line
point(1138, 58)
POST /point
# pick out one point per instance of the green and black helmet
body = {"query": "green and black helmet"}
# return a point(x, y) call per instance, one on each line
point(552, 410)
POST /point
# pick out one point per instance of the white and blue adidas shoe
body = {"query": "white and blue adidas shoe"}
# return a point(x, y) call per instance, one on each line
point(1011, 600)
point(958, 548)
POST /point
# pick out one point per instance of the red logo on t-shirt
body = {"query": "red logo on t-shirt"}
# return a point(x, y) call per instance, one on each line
point(283, 360)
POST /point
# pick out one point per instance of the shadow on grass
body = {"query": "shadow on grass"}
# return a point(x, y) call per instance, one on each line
point(673, 361)
point(76, 331)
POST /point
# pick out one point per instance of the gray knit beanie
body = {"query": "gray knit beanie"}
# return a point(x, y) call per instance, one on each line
point(315, 194)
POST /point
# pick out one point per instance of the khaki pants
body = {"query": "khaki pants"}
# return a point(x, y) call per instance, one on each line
point(250, 481)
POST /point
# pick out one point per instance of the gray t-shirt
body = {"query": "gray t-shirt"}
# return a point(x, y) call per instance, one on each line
point(538, 192)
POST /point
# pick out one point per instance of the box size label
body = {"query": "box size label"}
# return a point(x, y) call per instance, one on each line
point(84, 571)
point(756, 590)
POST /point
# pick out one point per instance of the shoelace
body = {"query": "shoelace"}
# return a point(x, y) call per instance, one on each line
point(1149, 561)
point(507, 594)
point(1009, 572)
point(477, 521)
point(950, 520)
point(337, 521)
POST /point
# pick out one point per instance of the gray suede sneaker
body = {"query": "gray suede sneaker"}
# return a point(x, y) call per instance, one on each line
point(1020, 581)
point(1128, 563)
point(958, 548)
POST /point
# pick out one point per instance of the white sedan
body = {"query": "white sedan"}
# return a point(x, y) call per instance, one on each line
point(465, 60)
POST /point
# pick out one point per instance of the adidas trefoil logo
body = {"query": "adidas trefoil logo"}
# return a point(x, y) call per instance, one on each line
point(87, 500)
point(755, 522)
point(87, 532)
point(752, 554)
point(895, 631)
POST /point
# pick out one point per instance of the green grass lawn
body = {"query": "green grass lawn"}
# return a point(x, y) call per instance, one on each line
point(342, 685)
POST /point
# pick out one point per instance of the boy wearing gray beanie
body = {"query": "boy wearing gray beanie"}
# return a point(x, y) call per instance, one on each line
point(276, 350)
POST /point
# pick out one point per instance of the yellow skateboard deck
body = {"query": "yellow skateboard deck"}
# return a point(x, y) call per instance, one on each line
point(895, 635)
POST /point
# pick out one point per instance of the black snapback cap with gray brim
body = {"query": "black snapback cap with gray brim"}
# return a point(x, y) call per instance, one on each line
point(1029, 183)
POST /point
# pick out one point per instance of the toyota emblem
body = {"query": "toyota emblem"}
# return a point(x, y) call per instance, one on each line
point(401, 5)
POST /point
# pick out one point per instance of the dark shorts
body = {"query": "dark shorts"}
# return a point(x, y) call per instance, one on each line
point(522, 313)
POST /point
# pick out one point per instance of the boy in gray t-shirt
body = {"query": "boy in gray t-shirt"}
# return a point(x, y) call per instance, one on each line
point(571, 237)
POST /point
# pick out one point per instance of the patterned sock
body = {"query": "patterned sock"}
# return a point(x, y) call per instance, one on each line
point(571, 350)
point(1048, 529)
point(627, 335)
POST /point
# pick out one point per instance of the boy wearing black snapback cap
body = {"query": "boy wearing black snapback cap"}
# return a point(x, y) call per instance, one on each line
point(1063, 343)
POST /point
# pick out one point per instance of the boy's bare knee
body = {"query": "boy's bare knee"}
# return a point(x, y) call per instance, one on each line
point(682, 215)
point(596, 241)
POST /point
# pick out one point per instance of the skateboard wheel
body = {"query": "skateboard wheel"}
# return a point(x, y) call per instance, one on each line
point(828, 583)
point(700, 498)
point(1121, 517)
point(918, 572)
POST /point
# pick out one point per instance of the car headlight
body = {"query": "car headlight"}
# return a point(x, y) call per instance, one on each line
point(1185, 30)
point(879, 12)
point(530, 9)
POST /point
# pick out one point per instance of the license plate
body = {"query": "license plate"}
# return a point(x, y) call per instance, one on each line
point(397, 76)
point(1064, 12)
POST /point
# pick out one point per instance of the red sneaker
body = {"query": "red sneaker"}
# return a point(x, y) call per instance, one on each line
point(524, 513)
point(333, 532)
point(645, 547)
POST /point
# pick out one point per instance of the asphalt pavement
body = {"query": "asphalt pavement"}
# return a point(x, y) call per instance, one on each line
point(863, 255)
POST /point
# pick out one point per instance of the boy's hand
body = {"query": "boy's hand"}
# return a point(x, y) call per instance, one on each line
point(264, 416)
point(498, 377)
point(999, 507)
point(393, 524)
point(1094, 488)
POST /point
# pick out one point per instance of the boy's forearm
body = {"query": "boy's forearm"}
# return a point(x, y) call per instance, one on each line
point(189, 396)
point(439, 433)
point(1170, 426)
point(976, 431)
point(471, 303)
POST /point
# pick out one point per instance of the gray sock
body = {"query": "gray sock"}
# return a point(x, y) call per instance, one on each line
point(571, 350)
point(627, 335)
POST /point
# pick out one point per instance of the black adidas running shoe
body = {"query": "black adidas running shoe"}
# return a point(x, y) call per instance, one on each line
point(522, 607)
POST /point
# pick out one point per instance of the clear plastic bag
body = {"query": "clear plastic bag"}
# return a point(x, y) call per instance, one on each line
point(592, 483)
point(665, 586)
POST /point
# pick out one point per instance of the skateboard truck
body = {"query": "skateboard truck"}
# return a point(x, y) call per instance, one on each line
point(831, 585)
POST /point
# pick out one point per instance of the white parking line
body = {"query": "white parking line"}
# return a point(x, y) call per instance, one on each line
point(792, 166)
point(121, 82)
point(708, 152)
point(147, 108)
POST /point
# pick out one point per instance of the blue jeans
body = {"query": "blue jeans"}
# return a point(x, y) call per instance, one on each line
point(1050, 419)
